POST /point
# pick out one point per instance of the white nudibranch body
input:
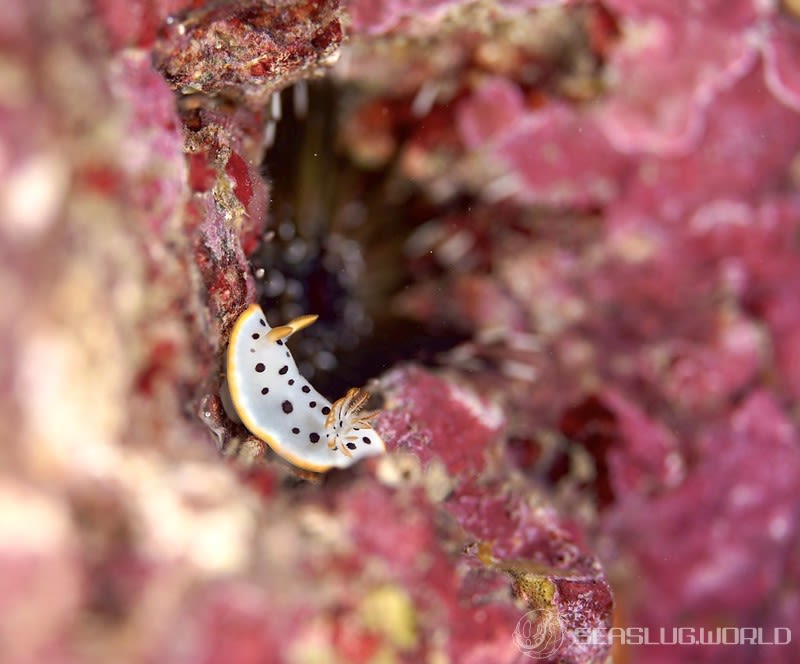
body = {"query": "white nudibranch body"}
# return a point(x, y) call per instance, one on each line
point(280, 407)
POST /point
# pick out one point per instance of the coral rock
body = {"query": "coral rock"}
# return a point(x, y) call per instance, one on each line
point(246, 50)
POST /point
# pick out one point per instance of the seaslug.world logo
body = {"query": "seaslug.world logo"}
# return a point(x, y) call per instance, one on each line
point(683, 636)
point(539, 634)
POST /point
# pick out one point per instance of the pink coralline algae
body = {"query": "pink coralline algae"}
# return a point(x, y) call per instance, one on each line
point(509, 529)
point(556, 241)
point(673, 62)
point(466, 458)
point(136, 24)
point(702, 569)
point(580, 159)
point(381, 16)
point(781, 50)
point(648, 334)
point(663, 92)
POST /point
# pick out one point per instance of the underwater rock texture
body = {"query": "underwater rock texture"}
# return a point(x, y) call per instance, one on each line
point(247, 50)
point(599, 204)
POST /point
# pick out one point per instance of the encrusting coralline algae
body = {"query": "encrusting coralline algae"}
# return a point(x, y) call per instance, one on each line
point(557, 241)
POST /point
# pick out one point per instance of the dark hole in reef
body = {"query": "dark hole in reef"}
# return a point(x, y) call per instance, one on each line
point(337, 251)
point(592, 425)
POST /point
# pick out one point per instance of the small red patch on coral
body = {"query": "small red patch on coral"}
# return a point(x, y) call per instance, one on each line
point(352, 642)
point(603, 29)
point(329, 36)
point(593, 426)
point(102, 180)
point(262, 479)
point(158, 364)
point(237, 168)
point(202, 176)
point(524, 453)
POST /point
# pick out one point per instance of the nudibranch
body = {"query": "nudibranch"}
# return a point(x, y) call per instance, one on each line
point(280, 407)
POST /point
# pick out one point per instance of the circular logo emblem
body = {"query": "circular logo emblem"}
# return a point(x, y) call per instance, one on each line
point(539, 634)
